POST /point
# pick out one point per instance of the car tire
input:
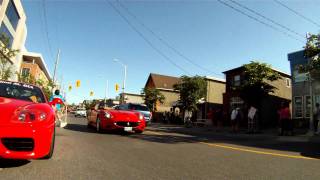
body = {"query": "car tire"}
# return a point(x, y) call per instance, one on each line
point(98, 127)
point(139, 132)
point(48, 156)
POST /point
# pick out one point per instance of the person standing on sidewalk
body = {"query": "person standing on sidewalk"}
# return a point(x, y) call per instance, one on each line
point(252, 120)
point(316, 118)
point(285, 120)
point(234, 119)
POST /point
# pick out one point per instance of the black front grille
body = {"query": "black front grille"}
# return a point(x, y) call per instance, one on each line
point(18, 144)
point(128, 124)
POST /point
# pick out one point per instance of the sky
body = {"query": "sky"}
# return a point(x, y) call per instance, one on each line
point(165, 37)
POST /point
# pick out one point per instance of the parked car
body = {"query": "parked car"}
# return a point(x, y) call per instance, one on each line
point(106, 118)
point(27, 123)
point(143, 109)
point(80, 112)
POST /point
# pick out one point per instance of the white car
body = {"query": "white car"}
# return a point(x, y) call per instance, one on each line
point(81, 112)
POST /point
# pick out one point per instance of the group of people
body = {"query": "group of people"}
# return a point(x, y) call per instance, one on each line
point(57, 102)
point(237, 116)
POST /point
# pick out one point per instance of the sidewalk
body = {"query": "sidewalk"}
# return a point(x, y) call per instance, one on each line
point(268, 134)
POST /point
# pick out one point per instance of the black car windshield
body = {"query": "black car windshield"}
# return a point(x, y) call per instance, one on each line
point(21, 91)
point(138, 107)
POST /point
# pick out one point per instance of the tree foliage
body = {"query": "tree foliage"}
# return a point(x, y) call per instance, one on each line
point(6, 53)
point(152, 96)
point(256, 82)
point(312, 52)
point(191, 89)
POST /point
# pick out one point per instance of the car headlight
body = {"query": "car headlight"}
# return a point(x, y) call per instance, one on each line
point(107, 115)
point(141, 117)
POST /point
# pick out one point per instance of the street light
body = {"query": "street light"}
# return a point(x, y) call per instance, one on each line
point(124, 78)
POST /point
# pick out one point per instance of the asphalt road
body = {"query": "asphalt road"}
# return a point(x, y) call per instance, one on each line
point(164, 153)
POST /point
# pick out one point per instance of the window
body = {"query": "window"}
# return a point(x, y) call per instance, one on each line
point(236, 102)
point(4, 30)
point(12, 14)
point(236, 80)
point(307, 107)
point(288, 82)
point(25, 72)
point(298, 107)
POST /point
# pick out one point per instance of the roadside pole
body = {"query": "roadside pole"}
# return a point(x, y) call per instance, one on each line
point(55, 67)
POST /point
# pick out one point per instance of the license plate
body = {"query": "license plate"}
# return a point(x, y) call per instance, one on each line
point(127, 128)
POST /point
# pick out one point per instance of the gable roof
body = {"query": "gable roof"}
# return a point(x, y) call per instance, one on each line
point(163, 81)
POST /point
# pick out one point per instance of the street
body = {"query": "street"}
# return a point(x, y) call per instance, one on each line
point(167, 152)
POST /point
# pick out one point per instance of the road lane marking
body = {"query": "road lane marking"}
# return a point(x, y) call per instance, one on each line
point(246, 150)
point(258, 152)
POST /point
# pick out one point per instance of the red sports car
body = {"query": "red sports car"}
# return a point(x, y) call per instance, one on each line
point(103, 118)
point(27, 122)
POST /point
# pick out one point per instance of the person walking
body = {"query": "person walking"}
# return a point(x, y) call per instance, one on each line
point(234, 120)
point(285, 120)
point(316, 118)
point(252, 120)
point(57, 101)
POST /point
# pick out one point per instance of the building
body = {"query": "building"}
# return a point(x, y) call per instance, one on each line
point(34, 65)
point(214, 96)
point(213, 99)
point(165, 85)
point(132, 98)
point(13, 25)
point(269, 105)
point(301, 105)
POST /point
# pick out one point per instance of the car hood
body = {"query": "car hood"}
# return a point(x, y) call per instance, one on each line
point(8, 107)
point(124, 115)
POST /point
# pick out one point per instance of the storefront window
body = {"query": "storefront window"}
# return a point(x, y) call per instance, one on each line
point(307, 106)
point(298, 107)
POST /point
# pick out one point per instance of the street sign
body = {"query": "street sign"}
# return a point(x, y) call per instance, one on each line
point(70, 88)
point(91, 93)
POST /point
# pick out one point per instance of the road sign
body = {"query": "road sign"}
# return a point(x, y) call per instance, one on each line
point(70, 88)
point(91, 93)
point(117, 87)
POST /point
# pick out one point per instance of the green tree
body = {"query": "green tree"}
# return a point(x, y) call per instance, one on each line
point(191, 90)
point(6, 53)
point(312, 52)
point(152, 96)
point(256, 83)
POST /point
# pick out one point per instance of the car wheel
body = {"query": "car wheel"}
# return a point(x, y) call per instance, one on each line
point(139, 132)
point(98, 125)
point(51, 146)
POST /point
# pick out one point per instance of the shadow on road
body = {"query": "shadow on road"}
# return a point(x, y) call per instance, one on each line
point(80, 128)
point(307, 147)
point(10, 163)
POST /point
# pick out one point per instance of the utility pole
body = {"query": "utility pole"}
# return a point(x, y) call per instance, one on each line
point(311, 130)
point(107, 92)
point(55, 67)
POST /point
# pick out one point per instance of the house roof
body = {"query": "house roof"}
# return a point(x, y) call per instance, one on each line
point(241, 67)
point(38, 60)
point(163, 81)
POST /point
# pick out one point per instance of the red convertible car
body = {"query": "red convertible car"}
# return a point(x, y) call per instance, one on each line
point(104, 118)
point(27, 122)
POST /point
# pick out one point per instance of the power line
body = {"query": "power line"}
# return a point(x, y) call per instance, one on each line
point(164, 41)
point(268, 19)
point(46, 27)
point(259, 21)
point(146, 40)
point(297, 13)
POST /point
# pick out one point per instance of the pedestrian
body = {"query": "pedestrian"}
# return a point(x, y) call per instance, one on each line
point(57, 101)
point(316, 118)
point(285, 120)
point(252, 120)
point(210, 116)
point(234, 119)
point(218, 115)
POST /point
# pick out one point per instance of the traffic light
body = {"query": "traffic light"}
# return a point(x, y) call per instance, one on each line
point(91, 93)
point(117, 87)
point(70, 88)
point(78, 82)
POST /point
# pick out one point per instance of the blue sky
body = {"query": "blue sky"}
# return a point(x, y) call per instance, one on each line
point(91, 34)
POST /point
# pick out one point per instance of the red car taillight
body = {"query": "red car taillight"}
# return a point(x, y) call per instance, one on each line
point(30, 116)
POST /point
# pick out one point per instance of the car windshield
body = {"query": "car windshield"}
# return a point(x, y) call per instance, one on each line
point(21, 91)
point(138, 107)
